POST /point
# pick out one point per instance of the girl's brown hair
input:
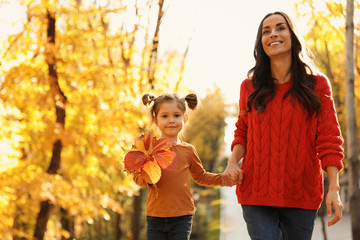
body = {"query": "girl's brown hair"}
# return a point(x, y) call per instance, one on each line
point(190, 99)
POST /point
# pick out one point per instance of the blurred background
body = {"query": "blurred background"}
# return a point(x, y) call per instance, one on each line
point(72, 73)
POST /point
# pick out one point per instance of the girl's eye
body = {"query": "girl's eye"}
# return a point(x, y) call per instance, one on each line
point(266, 32)
point(177, 115)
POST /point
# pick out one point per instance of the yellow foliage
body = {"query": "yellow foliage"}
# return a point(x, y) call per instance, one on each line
point(101, 68)
point(326, 39)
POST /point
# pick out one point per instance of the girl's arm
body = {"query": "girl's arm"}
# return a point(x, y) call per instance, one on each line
point(333, 197)
point(202, 177)
point(139, 180)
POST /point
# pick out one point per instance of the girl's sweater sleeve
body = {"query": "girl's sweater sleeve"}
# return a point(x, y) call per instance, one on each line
point(139, 180)
point(240, 133)
point(200, 175)
point(328, 137)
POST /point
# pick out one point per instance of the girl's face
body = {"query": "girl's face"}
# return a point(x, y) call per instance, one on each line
point(276, 36)
point(170, 120)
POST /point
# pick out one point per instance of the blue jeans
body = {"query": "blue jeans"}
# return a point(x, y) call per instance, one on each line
point(279, 223)
point(171, 228)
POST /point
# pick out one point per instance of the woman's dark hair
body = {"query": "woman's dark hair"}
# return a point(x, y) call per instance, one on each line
point(190, 99)
point(302, 74)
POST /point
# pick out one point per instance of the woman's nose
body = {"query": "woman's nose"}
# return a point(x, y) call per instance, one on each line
point(273, 33)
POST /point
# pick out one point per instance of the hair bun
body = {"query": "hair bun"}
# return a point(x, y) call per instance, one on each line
point(147, 98)
point(191, 100)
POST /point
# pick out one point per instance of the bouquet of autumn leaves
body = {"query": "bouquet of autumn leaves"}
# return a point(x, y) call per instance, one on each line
point(149, 155)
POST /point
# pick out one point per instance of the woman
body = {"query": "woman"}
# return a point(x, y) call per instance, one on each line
point(287, 134)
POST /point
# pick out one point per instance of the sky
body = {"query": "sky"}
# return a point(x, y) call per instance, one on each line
point(222, 34)
point(222, 39)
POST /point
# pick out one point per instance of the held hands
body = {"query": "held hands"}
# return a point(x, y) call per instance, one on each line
point(232, 175)
point(333, 200)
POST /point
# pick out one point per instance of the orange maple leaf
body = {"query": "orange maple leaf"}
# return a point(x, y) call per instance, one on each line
point(149, 155)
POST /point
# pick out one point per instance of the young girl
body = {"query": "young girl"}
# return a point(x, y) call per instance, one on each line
point(170, 204)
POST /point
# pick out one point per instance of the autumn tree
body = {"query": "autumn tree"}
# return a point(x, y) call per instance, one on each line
point(97, 55)
point(352, 140)
point(331, 41)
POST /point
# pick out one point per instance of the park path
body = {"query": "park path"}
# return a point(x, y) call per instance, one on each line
point(233, 226)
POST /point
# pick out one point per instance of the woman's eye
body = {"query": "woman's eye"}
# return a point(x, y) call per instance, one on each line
point(266, 32)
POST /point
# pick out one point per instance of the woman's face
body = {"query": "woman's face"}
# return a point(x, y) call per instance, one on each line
point(276, 36)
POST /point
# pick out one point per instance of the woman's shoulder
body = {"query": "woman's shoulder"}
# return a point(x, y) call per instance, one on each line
point(246, 84)
point(322, 82)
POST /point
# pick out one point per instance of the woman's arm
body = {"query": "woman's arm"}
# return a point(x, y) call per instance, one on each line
point(233, 170)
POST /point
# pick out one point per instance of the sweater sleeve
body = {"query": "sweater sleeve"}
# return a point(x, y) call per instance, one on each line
point(139, 180)
point(240, 133)
point(328, 137)
point(200, 175)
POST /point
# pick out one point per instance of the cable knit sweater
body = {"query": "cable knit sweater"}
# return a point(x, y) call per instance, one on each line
point(284, 152)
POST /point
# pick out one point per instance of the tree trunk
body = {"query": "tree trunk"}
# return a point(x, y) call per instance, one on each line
point(155, 45)
point(67, 224)
point(18, 224)
point(59, 102)
point(351, 136)
point(135, 219)
point(118, 232)
point(322, 210)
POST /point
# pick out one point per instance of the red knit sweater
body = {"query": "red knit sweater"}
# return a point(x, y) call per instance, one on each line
point(285, 152)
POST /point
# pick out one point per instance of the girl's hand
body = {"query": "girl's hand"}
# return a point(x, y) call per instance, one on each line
point(233, 174)
point(228, 180)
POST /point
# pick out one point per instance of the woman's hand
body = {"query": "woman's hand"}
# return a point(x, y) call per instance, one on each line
point(333, 197)
point(333, 200)
point(232, 174)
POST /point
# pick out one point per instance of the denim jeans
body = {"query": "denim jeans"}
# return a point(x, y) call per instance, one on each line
point(279, 223)
point(171, 228)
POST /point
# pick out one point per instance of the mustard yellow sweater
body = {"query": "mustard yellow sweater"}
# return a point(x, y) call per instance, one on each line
point(172, 196)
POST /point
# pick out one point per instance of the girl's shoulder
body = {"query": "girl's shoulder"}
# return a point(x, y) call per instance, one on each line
point(184, 148)
point(185, 145)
